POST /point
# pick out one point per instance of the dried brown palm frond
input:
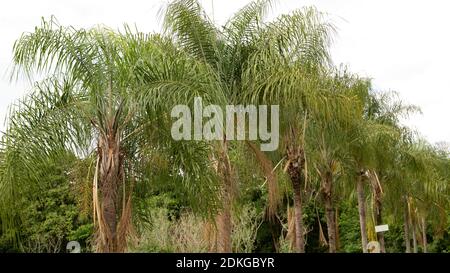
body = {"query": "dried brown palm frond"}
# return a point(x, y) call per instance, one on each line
point(272, 184)
point(375, 181)
point(291, 227)
point(125, 228)
point(102, 235)
point(210, 235)
point(322, 239)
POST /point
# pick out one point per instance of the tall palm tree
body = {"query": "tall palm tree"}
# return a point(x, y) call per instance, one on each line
point(364, 133)
point(422, 189)
point(288, 69)
point(372, 137)
point(227, 51)
point(329, 142)
point(105, 94)
point(387, 111)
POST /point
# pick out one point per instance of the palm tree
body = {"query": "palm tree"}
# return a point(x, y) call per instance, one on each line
point(105, 94)
point(372, 138)
point(195, 34)
point(288, 69)
point(386, 176)
point(363, 136)
point(424, 192)
point(329, 143)
point(228, 51)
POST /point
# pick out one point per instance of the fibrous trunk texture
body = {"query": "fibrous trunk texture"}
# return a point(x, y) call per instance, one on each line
point(224, 221)
point(406, 228)
point(379, 221)
point(110, 176)
point(424, 236)
point(327, 180)
point(362, 212)
point(295, 168)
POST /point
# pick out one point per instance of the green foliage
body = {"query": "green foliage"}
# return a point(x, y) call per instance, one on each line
point(441, 242)
point(395, 239)
point(246, 222)
point(101, 83)
point(50, 217)
point(349, 231)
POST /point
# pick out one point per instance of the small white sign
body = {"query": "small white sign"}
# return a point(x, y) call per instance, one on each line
point(381, 228)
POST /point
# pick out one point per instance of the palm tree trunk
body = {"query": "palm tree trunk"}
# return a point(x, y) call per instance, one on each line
point(224, 228)
point(379, 221)
point(295, 170)
point(338, 237)
point(424, 236)
point(414, 237)
point(109, 179)
point(224, 224)
point(412, 225)
point(362, 212)
point(406, 226)
point(378, 195)
point(298, 209)
point(329, 211)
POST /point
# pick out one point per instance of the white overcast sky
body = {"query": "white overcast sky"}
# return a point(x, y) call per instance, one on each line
point(402, 45)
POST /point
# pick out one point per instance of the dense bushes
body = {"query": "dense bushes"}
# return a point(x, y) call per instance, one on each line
point(49, 216)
